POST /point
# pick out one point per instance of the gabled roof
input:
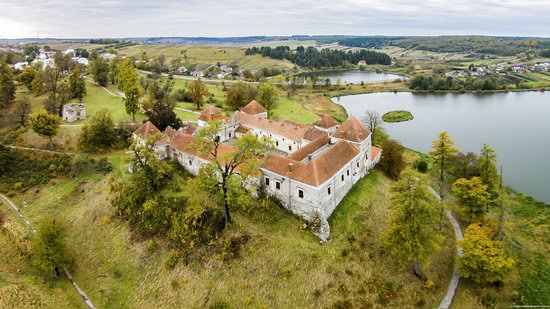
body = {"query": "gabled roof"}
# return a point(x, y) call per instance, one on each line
point(185, 143)
point(286, 128)
point(211, 113)
point(313, 134)
point(319, 169)
point(146, 129)
point(254, 108)
point(352, 130)
point(188, 128)
point(375, 151)
point(326, 122)
point(310, 148)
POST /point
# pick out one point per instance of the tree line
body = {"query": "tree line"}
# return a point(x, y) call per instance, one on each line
point(311, 57)
point(435, 82)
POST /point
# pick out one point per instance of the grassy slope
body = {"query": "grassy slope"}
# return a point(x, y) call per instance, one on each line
point(20, 285)
point(282, 266)
point(207, 55)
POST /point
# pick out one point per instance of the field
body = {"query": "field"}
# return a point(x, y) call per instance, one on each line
point(204, 56)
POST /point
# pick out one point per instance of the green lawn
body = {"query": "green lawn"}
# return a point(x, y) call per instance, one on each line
point(292, 110)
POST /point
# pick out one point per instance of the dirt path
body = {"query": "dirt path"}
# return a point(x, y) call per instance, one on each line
point(447, 301)
point(39, 150)
point(120, 95)
point(81, 293)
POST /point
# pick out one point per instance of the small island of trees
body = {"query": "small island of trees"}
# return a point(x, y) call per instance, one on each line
point(397, 116)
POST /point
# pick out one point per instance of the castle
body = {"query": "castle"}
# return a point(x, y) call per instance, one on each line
point(311, 169)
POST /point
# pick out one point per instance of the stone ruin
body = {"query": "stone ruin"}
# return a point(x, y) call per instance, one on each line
point(74, 111)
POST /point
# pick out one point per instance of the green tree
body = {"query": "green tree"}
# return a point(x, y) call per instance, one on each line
point(393, 160)
point(488, 167)
point(99, 134)
point(37, 84)
point(131, 100)
point(100, 71)
point(443, 151)
point(473, 197)
point(411, 235)
point(127, 75)
point(27, 76)
point(44, 124)
point(267, 96)
point(23, 110)
point(198, 90)
point(49, 250)
point(237, 96)
point(232, 166)
point(484, 260)
point(7, 84)
point(77, 85)
point(150, 170)
point(114, 70)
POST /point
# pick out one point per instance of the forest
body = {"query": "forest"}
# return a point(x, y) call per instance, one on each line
point(311, 57)
point(502, 46)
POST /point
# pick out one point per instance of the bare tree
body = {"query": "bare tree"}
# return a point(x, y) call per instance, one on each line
point(372, 121)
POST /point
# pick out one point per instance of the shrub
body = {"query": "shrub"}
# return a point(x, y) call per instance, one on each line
point(172, 259)
point(422, 166)
point(231, 246)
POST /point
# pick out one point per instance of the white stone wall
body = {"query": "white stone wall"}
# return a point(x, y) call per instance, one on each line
point(280, 143)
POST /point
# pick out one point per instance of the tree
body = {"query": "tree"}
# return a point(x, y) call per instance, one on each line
point(27, 76)
point(237, 96)
point(77, 85)
point(443, 151)
point(473, 197)
point(392, 161)
point(99, 134)
point(484, 259)
point(37, 84)
point(145, 160)
point(100, 71)
point(267, 96)
point(7, 84)
point(198, 91)
point(372, 121)
point(23, 110)
point(464, 165)
point(161, 104)
point(49, 250)
point(235, 166)
point(411, 235)
point(56, 100)
point(488, 167)
point(131, 101)
point(44, 124)
point(127, 75)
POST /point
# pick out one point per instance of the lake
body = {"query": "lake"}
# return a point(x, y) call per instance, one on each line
point(355, 76)
point(516, 125)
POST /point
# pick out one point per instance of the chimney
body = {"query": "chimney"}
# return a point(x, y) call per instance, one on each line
point(309, 156)
point(290, 165)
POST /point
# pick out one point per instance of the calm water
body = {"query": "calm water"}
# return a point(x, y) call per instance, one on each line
point(355, 77)
point(516, 125)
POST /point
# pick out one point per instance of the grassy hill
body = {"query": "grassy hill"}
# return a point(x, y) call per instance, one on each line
point(207, 55)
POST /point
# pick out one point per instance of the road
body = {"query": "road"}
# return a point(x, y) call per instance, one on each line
point(80, 292)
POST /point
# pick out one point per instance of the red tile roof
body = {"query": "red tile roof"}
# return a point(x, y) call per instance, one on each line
point(310, 148)
point(326, 122)
point(185, 143)
point(242, 130)
point(319, 169)
point(211, 113)
point(286, 128)
point(146, 129)
point(352, 130)
point(253, 108)
point(375, 151)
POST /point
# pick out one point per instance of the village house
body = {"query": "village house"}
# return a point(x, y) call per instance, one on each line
point(311, 169)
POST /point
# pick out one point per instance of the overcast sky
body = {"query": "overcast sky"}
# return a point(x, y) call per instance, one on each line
point(123, 18)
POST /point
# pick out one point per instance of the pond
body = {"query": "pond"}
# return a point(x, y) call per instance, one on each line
point(355, 76)
point(515, 124)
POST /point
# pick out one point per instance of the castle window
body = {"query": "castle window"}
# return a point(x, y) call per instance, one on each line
point(300, 194)
point(342, 177)
point(277, 143)
point(229, 134)
point(190, 162)
point(328, 190)
point(278, 185)
point(289, 148)
point(348, 172)
point(267, 181)
point(357, 163)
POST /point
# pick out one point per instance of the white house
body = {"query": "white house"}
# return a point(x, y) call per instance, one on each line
point(74, 111)
point(20, 66)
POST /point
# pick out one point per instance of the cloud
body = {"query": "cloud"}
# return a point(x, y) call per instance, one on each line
point(121, 18)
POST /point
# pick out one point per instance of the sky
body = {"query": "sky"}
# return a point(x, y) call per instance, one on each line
point(147, 18)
